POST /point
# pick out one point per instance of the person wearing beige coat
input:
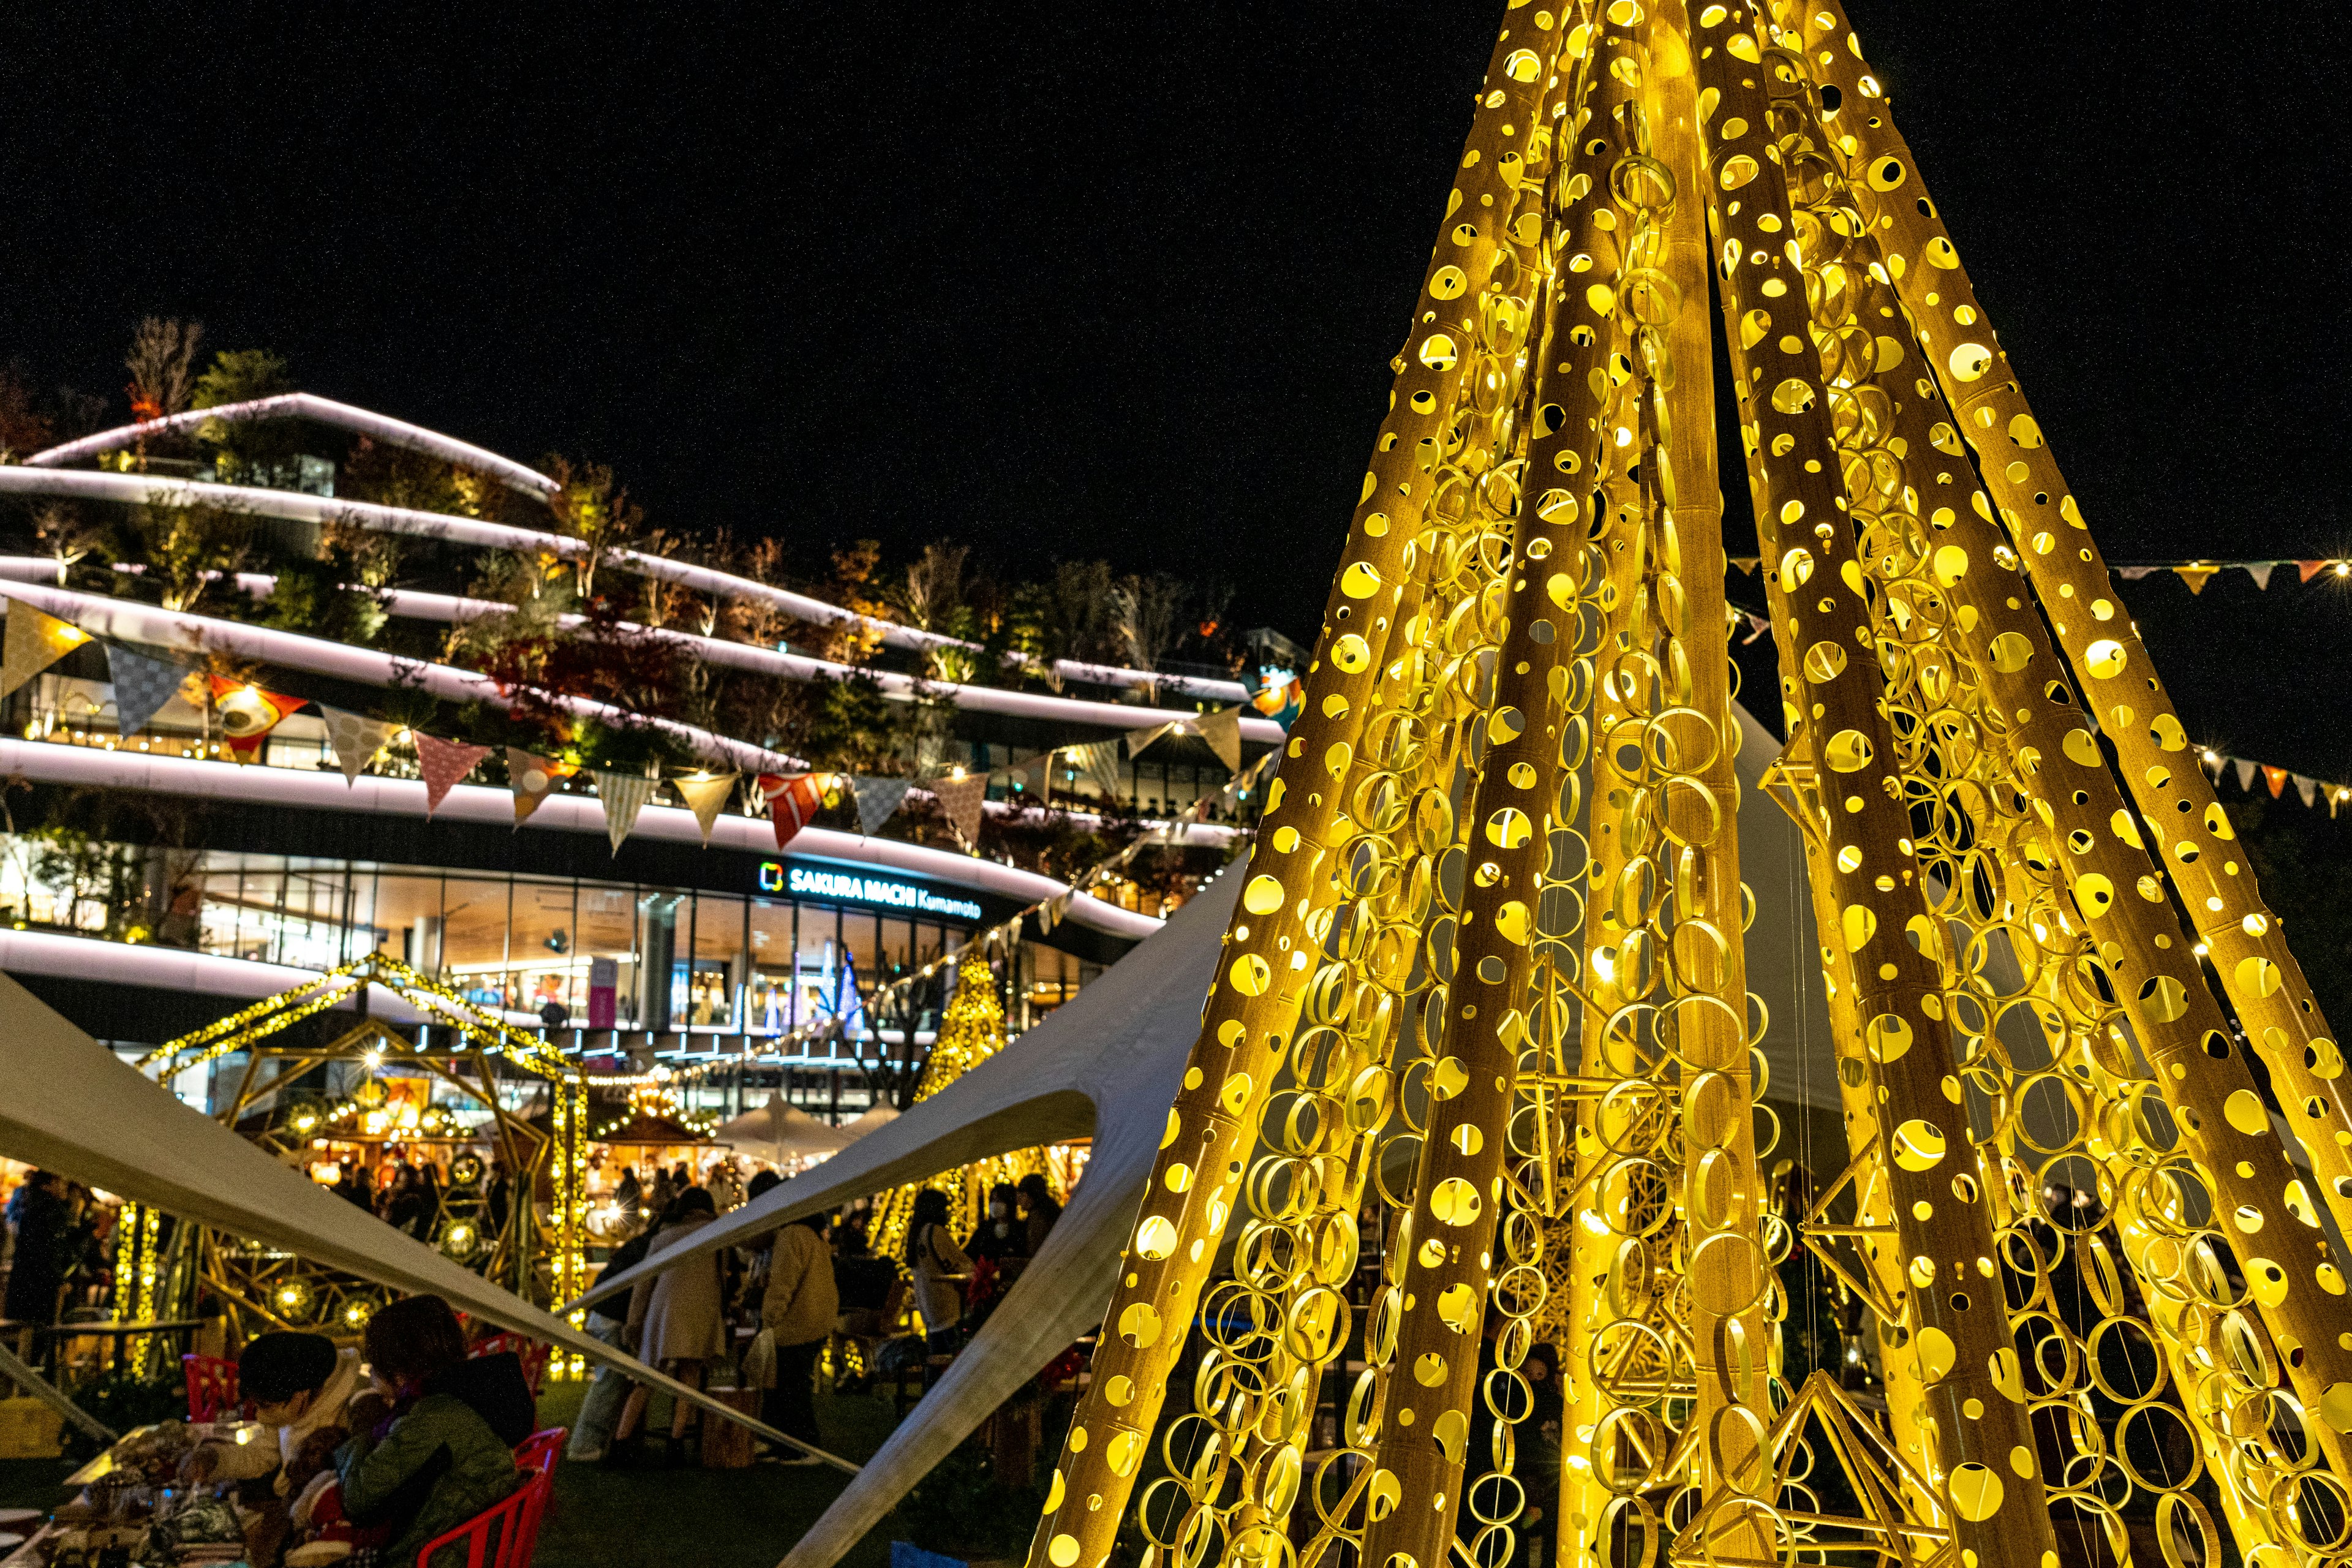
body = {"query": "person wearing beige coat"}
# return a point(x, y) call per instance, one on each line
point(678, 1320)
point(799, 1307)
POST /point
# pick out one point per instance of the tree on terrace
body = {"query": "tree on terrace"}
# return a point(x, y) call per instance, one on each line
point(593, 507)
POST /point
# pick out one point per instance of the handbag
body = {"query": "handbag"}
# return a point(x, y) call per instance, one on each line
point(759, 1368)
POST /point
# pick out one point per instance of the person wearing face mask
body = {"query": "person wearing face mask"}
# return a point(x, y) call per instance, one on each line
point(1000, 1235)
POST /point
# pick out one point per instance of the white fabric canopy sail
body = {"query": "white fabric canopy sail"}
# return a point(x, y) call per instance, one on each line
point(75, 1107)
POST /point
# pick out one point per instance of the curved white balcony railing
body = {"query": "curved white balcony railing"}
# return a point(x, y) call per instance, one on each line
point(129, 621)
point(308, 405)
point(298, 507)
point(42, 763)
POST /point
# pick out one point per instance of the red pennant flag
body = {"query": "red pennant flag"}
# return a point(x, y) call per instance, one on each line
point(2310, 569)
point(247, 715)
point(793, 800)
point(444, 763)
point(2275, 778)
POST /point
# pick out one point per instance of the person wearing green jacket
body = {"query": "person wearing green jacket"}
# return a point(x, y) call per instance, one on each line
point(429, 1461)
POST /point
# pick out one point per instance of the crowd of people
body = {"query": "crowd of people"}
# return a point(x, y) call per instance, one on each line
point(774, 1309)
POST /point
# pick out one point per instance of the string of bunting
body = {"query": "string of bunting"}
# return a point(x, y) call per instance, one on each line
point(2195, 573)
point(1049, 912)
point(2312, 792)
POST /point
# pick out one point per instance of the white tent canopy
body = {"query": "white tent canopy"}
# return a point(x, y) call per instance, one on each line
point(873, 1121)
point(75, 1107)
point(789, 1132)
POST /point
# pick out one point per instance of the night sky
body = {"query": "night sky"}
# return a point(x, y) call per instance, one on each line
point(1069, 286)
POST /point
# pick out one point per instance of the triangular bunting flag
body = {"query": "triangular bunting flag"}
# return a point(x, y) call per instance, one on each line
point(1756, 626)
point(1098, 763)
point(443, 763)
point(625, 795)
point(34, 642)
point(1747, 564)
point(877, 800)
point(2275, 778)
point(962, 802)
point(142, 687)
point(1222, 730)
point(532, 779)
point(2133, 573)
point(247, 715)
point(791, 801)
point(2307, 788)
point(2310, 569)
point(2195, 574)
point(2245, 773)
point(354, 737)
point(1036, 776)
point(2336, 798)
point(2260, 573)
point(1140, 741)
point(706, 797)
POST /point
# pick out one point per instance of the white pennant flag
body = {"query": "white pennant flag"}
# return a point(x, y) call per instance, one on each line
point(1141, 740)
point(1222, 730)
point(2246, 771)
point(623, 795)
point(355, 739)
point(2260, 573)
point(2308, 789)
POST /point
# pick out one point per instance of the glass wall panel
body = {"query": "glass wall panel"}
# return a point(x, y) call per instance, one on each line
point(770, 1002)
point(714, 970)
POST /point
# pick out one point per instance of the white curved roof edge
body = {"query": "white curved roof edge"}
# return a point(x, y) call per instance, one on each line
point(32, 570)
point(296, 506)
point(129, 621)
point(176, 969)
point(45, 762)
point(326, 411)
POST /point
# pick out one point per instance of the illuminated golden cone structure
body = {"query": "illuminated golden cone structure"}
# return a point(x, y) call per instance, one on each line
point(1486, 980)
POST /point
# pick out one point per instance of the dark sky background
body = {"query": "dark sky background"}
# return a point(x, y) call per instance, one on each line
point(1123, 281)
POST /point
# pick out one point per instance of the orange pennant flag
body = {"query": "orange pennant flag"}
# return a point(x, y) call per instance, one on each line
point(2310, 569)
point(2275, 778)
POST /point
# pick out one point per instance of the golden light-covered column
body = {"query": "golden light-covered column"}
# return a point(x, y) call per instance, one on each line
point(1246, 1025)
point(2136, 940)
point(2180, 813)
point(1983, 1461)
point(1723, 1199)
point(1532, 744)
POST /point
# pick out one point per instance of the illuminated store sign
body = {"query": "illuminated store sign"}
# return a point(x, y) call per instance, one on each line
point(857, 888)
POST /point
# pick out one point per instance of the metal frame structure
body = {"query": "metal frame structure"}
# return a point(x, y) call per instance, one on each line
point(1491, 933)
point(256, 1281)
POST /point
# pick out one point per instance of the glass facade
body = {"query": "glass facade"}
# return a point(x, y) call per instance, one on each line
point(610, 955)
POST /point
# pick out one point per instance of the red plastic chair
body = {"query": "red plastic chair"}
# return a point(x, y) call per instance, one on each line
point(533, 1351)
point(212, 1386)
point(538, 1453)
point(503, 1535)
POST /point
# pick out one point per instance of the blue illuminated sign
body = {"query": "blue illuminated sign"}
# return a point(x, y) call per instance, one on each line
point(858, 888)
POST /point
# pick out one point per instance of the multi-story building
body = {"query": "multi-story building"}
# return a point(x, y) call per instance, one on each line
point(150, 882)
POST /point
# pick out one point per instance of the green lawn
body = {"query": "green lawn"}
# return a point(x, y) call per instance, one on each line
point(605, 1517)
point(646, 1519)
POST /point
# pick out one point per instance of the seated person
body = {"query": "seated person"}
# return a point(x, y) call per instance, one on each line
point(433, 1441)
point(299, 1384)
